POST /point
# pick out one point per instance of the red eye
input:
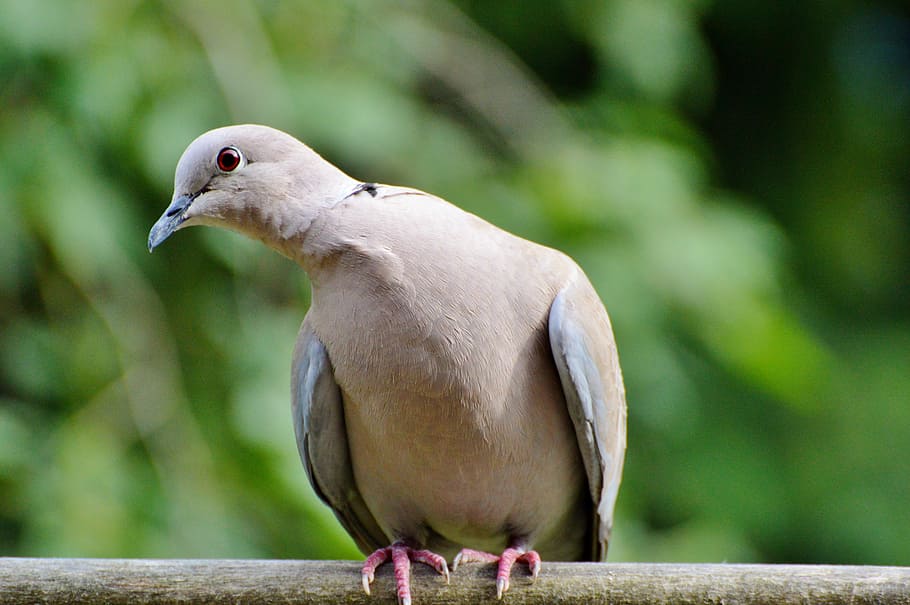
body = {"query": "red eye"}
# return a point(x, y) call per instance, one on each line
point(228, 159)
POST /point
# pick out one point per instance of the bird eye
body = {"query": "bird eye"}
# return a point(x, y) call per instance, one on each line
point(228, 159)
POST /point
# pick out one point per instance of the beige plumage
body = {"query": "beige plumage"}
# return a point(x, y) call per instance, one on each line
point(454, 386)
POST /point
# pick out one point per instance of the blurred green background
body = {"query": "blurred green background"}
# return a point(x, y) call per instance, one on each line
point(732, 175)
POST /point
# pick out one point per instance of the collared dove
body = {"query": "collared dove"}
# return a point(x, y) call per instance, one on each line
point(455, 388)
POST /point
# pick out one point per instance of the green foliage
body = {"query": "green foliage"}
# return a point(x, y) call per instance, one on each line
point(739, 200)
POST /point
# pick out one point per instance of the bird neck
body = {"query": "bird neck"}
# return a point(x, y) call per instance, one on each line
point(297, 232)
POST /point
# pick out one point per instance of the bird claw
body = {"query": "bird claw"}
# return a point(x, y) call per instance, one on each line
point(502, 585)
point(534, 563)
point(401, 556)
point(468, 555)
point(432, 559)
point(506, 561)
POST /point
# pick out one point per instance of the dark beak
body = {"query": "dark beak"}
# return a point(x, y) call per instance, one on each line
point(170, 220)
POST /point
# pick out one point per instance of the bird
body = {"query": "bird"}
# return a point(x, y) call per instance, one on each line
point(456, 390)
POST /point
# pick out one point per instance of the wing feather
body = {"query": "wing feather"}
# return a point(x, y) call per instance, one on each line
point(584, 350)
point(318, 412)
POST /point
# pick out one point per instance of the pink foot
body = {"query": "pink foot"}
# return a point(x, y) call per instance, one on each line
point(401, 556)
point(506, 561)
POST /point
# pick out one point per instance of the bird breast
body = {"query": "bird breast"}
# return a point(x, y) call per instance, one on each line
point(447, 369)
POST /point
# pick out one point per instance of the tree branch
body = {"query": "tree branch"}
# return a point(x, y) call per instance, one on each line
point(253, 582)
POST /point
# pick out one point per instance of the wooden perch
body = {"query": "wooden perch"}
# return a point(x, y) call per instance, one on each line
point(253, 582)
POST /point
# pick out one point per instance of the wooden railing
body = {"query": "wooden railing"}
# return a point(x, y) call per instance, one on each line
point(254, 582)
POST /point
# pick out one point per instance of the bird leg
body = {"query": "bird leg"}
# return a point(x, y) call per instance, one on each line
point(506, 561)
point(401, 556)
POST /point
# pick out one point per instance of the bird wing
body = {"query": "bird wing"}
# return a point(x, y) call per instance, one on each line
point(322, 441)
point(585, 353)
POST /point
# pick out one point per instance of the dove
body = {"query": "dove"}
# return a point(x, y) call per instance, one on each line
point(456, 391)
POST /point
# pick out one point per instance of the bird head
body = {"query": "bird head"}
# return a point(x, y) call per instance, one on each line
point(248, 178)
